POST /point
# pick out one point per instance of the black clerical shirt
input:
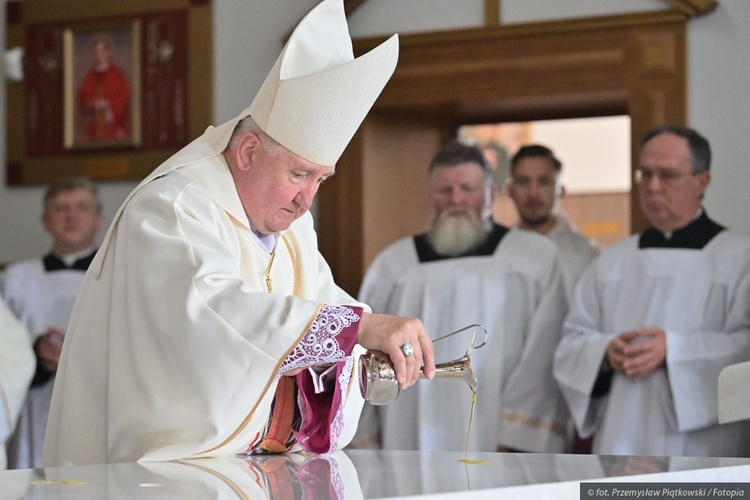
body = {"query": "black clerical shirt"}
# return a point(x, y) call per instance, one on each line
point(427, 253)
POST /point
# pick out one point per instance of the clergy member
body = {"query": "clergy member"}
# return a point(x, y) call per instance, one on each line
point(467, 269)
point(209, 324)
point(536, 189)
point(16, 371)
point(657, 316)
point(41, 293)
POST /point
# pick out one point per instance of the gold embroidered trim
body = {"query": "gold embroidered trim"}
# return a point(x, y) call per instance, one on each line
point(269, 286)
point(531, 421)
point(250, 415)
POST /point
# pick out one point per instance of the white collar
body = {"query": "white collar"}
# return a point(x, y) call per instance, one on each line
point(70, 258)
point(266, 241)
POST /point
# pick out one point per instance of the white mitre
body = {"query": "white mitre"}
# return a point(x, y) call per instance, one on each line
point(316, 95)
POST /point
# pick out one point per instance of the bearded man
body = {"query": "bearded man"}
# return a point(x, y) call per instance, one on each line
point(467, 269)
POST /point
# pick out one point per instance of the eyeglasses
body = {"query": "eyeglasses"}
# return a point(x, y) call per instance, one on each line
point(665, 175)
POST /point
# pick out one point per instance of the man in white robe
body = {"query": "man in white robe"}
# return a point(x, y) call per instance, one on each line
point(467, 270)
point(536, 189)
point(41, 293)
point(658, 316)
point(209, 324)
point(16, 370)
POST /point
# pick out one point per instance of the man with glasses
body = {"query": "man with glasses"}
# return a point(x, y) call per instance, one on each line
point(657, 316)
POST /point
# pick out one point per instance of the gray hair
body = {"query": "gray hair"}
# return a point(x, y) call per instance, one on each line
point(71, 184)
point(700, 150)
point(247, 125)
point(457, 152)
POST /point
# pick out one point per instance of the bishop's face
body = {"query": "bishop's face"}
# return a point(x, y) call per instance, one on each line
point(668, 191)
point(276, 186)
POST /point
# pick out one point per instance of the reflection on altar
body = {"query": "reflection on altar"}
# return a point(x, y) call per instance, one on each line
point(354, 474)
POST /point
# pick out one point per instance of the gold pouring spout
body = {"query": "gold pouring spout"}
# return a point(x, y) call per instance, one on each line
point(378, 383)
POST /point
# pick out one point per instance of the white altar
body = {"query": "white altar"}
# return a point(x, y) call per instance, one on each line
point(355, 474)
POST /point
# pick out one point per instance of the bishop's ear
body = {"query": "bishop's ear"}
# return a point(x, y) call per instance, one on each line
point(247, 150)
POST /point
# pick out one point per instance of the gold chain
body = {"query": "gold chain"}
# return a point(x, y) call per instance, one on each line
point(269, 284)
point(268, 272)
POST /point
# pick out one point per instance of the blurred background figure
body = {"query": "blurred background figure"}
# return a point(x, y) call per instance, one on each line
point(41, 293)
point(657, 316)
point(16, 370)
point(468, 269)
point(536, 189)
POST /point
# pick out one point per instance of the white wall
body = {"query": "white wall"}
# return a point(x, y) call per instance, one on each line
point(248, 38)
point(718, 106)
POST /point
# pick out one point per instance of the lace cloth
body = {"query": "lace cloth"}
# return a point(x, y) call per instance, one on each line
point(330, 339)
point(319, 345)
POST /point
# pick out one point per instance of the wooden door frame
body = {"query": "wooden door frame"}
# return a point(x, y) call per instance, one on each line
point(631, 64)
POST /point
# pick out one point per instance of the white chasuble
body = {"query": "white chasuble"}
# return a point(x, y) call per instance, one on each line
point(701, 298)
point(517, 294)
point(175, 342)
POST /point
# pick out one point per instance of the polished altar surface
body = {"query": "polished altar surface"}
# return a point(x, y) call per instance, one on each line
point(355, 474)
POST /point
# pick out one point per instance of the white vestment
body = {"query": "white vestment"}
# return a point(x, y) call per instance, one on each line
point(16, 369)
point(175, 343)
point(517, 294)
point(576, 252)
point(701, 298)
point(40, 299)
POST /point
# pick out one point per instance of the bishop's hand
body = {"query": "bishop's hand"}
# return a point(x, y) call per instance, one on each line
point(404, 340)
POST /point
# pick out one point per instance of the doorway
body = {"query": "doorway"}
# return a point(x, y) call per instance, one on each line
point(632, 65)
point(595, 154)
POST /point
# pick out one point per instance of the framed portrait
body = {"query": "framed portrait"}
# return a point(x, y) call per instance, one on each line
point(109, 90)
point(102, 85)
